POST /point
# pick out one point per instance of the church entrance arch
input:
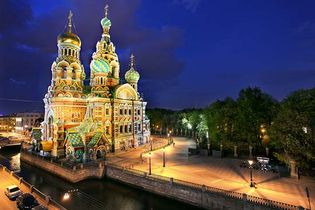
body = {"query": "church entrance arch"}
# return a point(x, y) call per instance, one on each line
point(101, 152)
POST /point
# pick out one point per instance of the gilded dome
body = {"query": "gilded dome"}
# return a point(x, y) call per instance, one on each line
point(132, 76)
point(99, 66)
point(69, 37)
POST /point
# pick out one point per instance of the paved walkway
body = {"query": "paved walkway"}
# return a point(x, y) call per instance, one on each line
point(5, 202)
point(226, 174)
point(132, 155)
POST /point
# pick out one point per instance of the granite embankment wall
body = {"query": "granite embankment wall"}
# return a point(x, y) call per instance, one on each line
point(72, 174)
point(197, 195)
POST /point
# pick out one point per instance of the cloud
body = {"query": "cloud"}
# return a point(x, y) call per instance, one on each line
point(17, 82)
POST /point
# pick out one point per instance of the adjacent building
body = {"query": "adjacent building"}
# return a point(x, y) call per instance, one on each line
point(87, 121)
point(20, 122)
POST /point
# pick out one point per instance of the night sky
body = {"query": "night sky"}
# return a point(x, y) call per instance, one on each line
point(188, 52)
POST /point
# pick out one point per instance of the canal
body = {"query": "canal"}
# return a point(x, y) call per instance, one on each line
point(90, 194)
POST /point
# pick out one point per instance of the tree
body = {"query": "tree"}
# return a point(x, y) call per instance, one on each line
point(220, 119)
point(292, 132)
point(255, 109)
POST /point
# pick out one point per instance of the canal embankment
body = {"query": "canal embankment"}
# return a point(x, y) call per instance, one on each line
point(73, 174)
point(191, 193)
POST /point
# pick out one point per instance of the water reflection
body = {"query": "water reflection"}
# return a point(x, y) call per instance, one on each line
point(91, 194)
point(15, 163)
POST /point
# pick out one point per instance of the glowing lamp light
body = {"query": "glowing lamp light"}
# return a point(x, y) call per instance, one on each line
point(250, 162)
point(66, 196)
point(189, 126)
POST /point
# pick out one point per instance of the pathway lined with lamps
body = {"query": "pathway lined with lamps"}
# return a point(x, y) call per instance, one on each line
point(224, 174)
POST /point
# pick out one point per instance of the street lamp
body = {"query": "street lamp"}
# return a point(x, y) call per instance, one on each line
point(151, 143)
point(251, 173)
point(150, 163)
point(163, 156)
point(168, 137)
point(66, 196)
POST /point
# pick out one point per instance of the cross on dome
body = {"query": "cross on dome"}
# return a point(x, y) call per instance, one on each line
point(132, 60)
point(106, 10)
point(70, 21)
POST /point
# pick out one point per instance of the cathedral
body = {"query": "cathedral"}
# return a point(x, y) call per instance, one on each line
point(87, 121)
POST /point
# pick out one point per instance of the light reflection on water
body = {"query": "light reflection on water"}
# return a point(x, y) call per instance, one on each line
point(92, 194)
point(15, 163)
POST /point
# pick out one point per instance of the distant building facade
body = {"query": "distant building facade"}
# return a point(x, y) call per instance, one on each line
point(20, 122)
point(89, 121)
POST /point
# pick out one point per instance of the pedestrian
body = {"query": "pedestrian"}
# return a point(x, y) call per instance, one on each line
point(173, 144)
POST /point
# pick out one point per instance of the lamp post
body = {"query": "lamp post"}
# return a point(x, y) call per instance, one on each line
point(251, 173)
point(168, 137)
point(164, 157)
point(208, 140)
point(150, 163)
point(151, 142)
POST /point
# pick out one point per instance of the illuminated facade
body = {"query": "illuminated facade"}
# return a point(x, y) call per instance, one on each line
point(87, 121)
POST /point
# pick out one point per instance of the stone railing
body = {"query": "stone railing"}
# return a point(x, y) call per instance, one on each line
point(196, 194)
point(49, 201)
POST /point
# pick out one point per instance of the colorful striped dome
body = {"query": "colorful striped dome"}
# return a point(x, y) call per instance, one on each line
point(99, 66)
point(105, 22)
point(132, 76)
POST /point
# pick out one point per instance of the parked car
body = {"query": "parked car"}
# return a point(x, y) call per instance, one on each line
point(26, 201)
point(12, 192)
point(39, 207)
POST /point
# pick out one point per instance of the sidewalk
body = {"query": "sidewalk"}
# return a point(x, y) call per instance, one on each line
point(132, 155)
point(226, 174)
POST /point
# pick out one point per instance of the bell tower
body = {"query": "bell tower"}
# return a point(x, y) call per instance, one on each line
point(104, 65)
point(67, 71)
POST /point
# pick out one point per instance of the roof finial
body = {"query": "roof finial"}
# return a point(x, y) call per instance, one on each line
point(132, 60)
point(70, 21)
point(106, 10)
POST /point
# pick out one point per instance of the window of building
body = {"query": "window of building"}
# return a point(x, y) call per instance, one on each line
point(121, 129)
point(126, 129)
point(107, 111)
point(138, 111)
point(129, 111)
point(139, 127)
point(121, 111)
point(125, 111)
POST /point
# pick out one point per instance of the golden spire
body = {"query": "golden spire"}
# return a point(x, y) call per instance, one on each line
point(70, 21)
point(132, 61)
point(106, 10)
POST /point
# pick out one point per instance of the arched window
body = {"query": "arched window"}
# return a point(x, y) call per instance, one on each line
point(101, 80)
point(73, 74)
point(50, 127)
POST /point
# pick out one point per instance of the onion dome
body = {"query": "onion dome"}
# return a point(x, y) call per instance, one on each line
point(69, 36)
point(99, 65)
point(132, 76)
point(105, 22)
